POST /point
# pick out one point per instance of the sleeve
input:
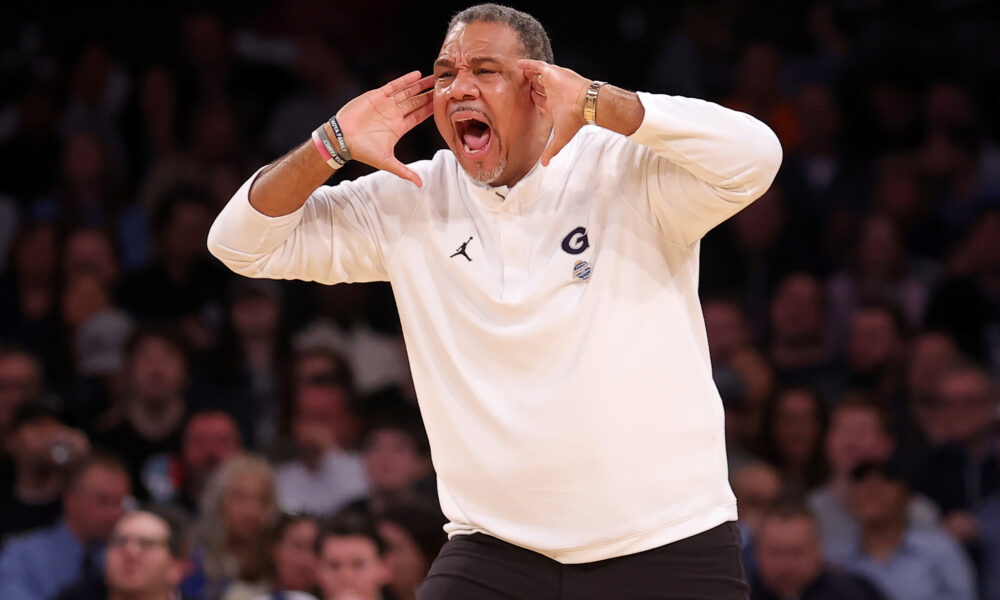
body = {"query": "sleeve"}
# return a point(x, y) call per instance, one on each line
point(342, 234)
point(698, 164)
point(955, 574)
point(14, 582)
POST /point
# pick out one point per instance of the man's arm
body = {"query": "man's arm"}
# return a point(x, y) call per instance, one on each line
point(371, 123)
point(696, 163)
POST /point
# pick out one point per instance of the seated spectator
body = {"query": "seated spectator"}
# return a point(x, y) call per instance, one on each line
point(210, 438)
point(859, 432)
point(238, 510)
point(324, 476)
point(44, 451)
point(757, 486)
point(963, 470)
point(293, 556)
point(800, 345)
point(37, 566)
point(413, 534)
point(149, 417)
point(20, 380)
point(790, 562)
point(351, 560)
point(792, 437)
point(397, 458)
point(906, 563)
point(146, 559)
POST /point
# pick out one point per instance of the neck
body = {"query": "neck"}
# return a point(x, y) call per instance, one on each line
point(880, 539)
point(156, 420)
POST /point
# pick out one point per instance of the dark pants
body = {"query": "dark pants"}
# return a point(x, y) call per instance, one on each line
point(479, 567)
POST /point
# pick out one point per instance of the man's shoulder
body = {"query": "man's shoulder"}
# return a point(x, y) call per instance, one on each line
point(37, 540)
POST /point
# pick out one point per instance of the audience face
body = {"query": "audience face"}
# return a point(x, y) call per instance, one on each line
point(819, 120)
point(392, 460)
point(932, 355)
point(84, 296)
point(757, 486)
point(873, 342)
point(967, 405)
point(138, 563)
point(91, 251)
point(788, 554)
point(294, 556)
point(31, 443)
point(797, 426)
point(209, 439)
point(157, 369)
point(727, 329)
point(256, 315)
point(318, 407)
point(875, 499)
point(20, 381)
point(797, 311)
point(407, 564)
point(758, 226)
point(350, 567)
point(95, 503)
point(879, 253)
point(856, 435)
point(247, 505)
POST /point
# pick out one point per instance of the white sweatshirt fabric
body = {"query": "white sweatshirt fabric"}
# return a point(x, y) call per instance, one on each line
point(570, 405)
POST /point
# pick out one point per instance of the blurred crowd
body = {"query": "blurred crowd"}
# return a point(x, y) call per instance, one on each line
point(168, 427)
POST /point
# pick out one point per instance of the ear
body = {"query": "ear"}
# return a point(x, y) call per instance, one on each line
point(178, 569)
point(384, 573)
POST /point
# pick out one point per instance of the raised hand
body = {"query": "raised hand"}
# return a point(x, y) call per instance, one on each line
point(374, 121)
point(560, 92)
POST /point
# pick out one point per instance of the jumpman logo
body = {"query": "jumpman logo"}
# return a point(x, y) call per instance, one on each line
point(461, 250)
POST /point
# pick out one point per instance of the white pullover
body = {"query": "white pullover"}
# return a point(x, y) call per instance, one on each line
point(570, 405)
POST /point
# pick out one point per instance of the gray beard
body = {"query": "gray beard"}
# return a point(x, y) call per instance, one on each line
point(488, 177)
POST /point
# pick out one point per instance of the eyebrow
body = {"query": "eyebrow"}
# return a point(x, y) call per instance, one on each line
point(446, 62)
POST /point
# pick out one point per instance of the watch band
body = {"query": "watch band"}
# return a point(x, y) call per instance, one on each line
point(590, 102)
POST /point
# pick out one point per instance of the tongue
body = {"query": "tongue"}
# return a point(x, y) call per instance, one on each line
point(476, 138)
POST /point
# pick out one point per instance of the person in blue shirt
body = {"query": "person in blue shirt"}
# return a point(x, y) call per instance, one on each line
point(38, 565)
point(905, 562)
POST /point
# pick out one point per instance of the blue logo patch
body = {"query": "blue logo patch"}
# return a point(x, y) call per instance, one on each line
point(581, 270)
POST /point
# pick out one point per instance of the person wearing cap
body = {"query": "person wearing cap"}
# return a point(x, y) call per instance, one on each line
point(905, 562)
point(545, 267)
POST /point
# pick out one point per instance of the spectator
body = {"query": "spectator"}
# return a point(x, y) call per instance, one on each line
point(181, 285)
point(905, 562)
point(293, 556)
point(800, 347)
point(859, 432)
point(932, 355)
point(149, 417)
point(352, 563)
point(965, 469)
point(146, 558)
point(413, 534)
point(792, 437)
point(791, 563)
point(397, 458)
point(20, 381)
point(757, 486)
point(237, 512)
point(324, 476)
point(875, 354)
point(45, 451)
point(39, 565)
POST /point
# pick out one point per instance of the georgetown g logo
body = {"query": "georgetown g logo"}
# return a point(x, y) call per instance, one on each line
point(576, 242)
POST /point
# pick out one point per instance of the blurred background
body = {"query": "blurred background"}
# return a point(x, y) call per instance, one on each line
point(853, 311)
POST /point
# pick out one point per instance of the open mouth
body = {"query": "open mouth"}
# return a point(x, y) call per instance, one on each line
point(474, 132)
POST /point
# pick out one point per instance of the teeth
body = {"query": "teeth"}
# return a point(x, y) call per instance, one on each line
point(471, 151)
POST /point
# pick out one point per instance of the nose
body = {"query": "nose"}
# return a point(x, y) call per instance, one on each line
point(464, 87)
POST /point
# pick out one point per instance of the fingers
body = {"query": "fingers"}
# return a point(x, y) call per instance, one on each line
point(534, 66)
point(415, 103)
point(414, 89)
point(397, 168)
point(418, 115)
point(400, 83)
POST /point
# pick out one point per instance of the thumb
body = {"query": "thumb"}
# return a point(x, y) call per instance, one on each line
point(399, 169)
point(560, 137)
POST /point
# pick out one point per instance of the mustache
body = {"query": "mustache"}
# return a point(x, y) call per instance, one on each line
point(475, 109)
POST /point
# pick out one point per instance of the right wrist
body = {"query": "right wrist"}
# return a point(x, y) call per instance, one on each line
point(327, 148)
